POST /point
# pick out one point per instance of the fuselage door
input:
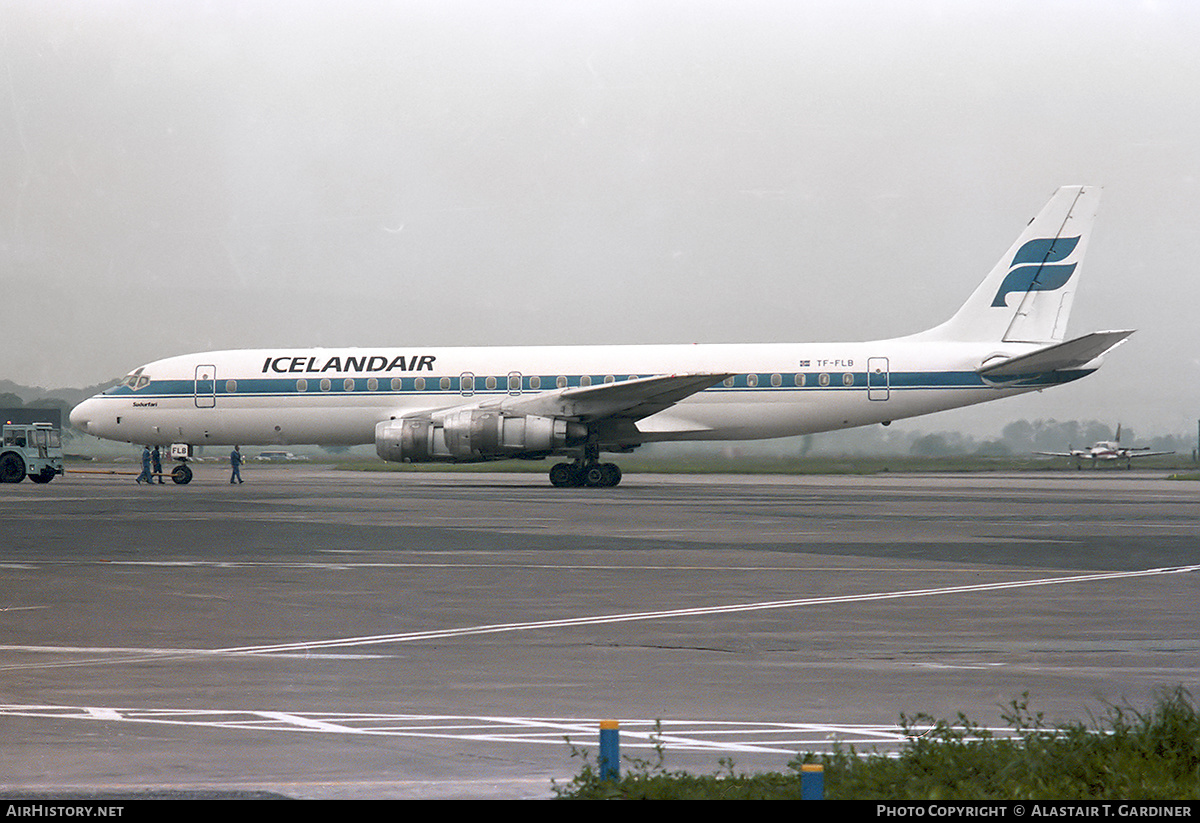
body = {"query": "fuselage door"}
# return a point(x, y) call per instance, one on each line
point(878, 379)
point(206, 386)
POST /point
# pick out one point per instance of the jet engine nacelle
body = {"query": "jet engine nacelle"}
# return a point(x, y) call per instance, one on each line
point(473, 434)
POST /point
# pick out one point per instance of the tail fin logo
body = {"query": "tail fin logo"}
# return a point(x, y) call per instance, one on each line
point(1030, 270)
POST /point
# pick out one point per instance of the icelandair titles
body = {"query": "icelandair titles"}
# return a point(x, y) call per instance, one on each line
point(349, 363)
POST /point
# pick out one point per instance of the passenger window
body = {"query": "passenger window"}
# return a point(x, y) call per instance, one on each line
point(777, 380)
point(561, 382)
point(348, 384)
point(419, 384)
point(847, 379)
point(372, 384)
point(728, 382)
point(490, 382)
point(397, 384)
point(325, 384)
point(586, 380)
point(608, 378)
point(535, 382)
point(823, 379)
point(301, 385)
point(799, 379)
point(444, 383)
point(752, 380)
point(230, 386)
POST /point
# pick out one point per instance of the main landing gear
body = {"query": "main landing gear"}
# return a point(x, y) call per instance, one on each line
point(587, 470)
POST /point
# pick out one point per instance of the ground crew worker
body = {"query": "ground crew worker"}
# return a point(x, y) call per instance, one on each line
point(235, 463)
point(156, 461)
point(145, 475)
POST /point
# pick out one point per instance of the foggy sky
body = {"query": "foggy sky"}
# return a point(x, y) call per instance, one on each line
point(180, 177)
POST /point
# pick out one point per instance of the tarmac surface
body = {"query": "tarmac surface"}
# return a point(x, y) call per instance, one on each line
point(316, 633)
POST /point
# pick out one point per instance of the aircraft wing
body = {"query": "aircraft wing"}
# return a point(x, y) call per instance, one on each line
point(1140, 453)
point(1063, 454)
point(1069, 355)
point(626, 400)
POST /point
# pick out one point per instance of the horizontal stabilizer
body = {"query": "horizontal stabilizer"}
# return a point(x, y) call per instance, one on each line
point(1059, 357)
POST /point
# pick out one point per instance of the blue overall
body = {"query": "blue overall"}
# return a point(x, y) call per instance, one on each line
point(145, 475)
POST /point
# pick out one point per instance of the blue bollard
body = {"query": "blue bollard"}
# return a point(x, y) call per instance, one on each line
point(812, 782)
point(610, 750)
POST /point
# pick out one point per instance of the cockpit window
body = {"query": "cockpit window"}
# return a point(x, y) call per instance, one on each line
point(135, 380)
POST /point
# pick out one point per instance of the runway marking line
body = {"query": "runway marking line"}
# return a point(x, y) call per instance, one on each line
point(307, 648)
point(466, 631)
point(678, 735)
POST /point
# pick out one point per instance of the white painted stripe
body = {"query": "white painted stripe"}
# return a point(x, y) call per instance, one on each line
point(153, 652)
point(307, 722)
point(306, 648)
point(699, 611)
point(102, 714)
point(676, 735)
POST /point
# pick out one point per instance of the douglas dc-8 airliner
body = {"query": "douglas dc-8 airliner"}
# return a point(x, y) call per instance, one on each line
point(419, 404)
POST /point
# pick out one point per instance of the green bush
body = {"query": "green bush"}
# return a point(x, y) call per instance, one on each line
point(1124, 754)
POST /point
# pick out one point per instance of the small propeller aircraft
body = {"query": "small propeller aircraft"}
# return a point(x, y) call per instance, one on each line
point(1104, 450)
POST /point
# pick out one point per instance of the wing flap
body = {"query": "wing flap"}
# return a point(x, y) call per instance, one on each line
point(627, 399)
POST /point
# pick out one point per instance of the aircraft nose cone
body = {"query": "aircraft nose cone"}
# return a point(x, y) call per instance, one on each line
point(81, 416)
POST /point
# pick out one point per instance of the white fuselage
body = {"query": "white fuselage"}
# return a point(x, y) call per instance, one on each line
point(338, 396)
point(469, 404)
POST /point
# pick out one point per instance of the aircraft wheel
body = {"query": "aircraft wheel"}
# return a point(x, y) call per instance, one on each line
point(595, 476)
point(563, 476)
point(12, 468)
point(181, 474)
point(612, 474)
point(46, 476)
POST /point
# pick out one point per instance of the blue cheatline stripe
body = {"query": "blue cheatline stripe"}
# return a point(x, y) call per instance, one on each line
point(275, 387)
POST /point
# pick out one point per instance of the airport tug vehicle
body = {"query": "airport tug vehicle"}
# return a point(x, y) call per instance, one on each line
point(33, 449)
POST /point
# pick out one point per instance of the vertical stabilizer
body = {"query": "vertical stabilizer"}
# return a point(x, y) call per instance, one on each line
point(1027, 296)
